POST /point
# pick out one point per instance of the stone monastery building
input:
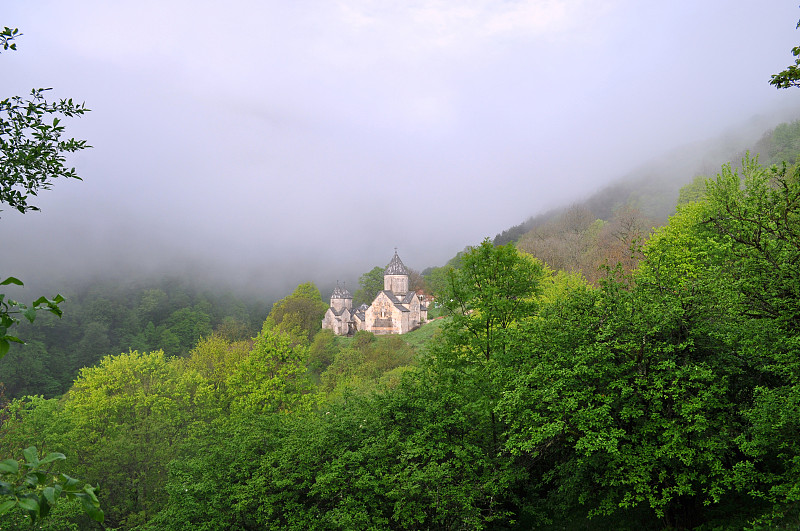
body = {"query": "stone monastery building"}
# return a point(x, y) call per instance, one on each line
point(395, 310)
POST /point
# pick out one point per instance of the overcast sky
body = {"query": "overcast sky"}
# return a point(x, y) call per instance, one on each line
point(304, 140)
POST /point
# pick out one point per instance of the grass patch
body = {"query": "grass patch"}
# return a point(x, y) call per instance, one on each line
point(417, 338)
point(422, 335)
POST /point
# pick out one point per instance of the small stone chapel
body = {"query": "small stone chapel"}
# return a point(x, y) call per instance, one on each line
point(395, 310)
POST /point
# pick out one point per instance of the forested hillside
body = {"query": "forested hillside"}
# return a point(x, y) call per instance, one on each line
point(659, 397)
point(597, 373)
point(607, 227)
point(654, 189)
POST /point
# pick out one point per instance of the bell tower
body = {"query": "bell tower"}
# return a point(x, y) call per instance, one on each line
point(395, 276)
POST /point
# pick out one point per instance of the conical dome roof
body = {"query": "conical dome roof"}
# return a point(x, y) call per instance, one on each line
point(340, 293)
point(395, 267)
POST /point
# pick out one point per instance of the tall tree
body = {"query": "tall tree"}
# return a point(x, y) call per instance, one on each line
point(493, 289)
point(370, 284)
point(492, 292)
point(130, 416)
point(757, 213)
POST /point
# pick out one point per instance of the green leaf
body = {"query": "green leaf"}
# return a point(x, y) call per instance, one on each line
point(44, 507)
point(29, 504)
point(4, 347)
point(6, 506)
point(50, 495)
point(11, 280)
point(68, 481)
point(30, 314)
point(9, 466)
point(31, 455)
point(89, 490)
point(52, 456)
point(92, 508)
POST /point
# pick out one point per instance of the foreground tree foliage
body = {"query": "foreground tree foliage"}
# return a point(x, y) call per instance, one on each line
point(32, 486)
point(672, 392)
point(790, 76)
point(32, 152)
point(758, 213)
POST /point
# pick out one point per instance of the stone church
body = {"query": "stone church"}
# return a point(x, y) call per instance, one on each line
point(395, 310)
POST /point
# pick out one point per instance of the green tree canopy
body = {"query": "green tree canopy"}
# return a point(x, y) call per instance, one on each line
point(273, 378)
point(371, 283)
point(299, 314)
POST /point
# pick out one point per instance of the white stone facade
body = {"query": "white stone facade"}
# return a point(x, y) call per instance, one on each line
point(395, 310)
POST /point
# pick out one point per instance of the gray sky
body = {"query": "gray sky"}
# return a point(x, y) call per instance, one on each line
point(305, 140)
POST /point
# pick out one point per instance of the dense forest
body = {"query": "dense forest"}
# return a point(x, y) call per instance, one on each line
point(100, 318)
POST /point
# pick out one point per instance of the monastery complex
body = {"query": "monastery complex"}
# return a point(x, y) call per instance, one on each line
point(395, 310)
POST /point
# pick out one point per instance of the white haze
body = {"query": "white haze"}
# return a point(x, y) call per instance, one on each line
point(270, 143)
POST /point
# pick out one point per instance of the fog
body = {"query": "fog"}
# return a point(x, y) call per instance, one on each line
point(263, 144)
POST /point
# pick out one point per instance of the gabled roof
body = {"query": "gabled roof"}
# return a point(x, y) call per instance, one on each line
point(409, 297)
point(340, 312)
point(394, 300)
point(391, 296)
point(395, 267)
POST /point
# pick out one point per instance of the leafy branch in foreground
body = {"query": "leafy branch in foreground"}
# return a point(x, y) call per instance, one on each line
point(790, 76)
point(31, 486)
point(6, 36)
point(9, 309)
point(31, 148)
point(32, 155)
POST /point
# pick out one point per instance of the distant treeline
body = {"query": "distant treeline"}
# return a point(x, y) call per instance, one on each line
point(104, 318)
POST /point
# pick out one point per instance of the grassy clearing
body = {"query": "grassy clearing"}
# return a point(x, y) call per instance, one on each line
point(421, 336)
point(417, 338)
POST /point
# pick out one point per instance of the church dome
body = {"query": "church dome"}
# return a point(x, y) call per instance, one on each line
point(395, 267)
point(340, 293)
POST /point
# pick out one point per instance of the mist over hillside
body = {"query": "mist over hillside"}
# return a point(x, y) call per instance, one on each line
point(76, 251)
point(308, 144)
point(653, 187)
